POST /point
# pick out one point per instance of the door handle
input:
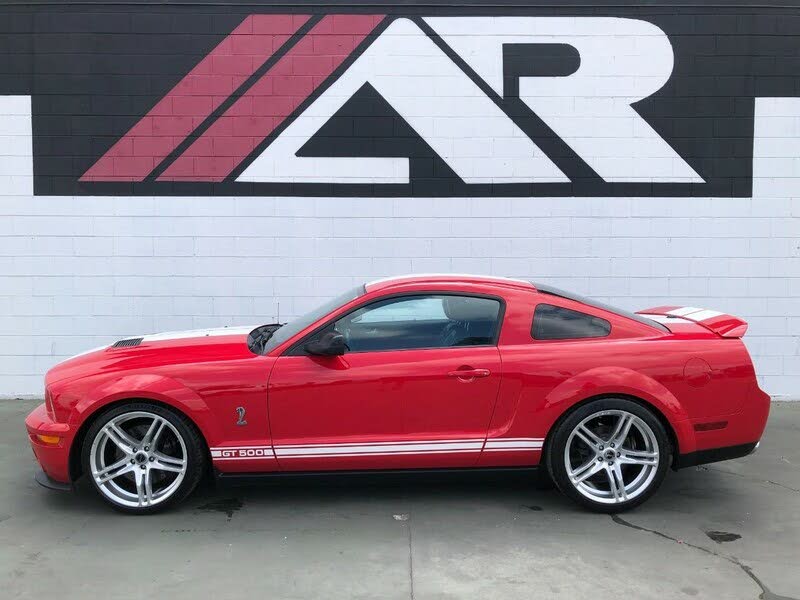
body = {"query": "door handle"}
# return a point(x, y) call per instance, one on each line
point(469, 373)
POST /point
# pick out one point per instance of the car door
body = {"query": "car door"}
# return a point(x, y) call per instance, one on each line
point(416, 389)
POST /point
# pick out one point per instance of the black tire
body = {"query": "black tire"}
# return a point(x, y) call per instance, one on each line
point(543, 481)
point(563, 431)
point(195, 453)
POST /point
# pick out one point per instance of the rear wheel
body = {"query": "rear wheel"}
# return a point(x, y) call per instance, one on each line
point(609, 455)
point(142, 457)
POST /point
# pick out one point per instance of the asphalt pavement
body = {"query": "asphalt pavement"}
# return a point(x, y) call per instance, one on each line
point(724, 531)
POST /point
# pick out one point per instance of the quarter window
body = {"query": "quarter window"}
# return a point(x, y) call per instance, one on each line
point(557, 323)
point(421, 321)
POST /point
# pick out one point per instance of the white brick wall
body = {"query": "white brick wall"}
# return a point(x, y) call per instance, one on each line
point(78, 272)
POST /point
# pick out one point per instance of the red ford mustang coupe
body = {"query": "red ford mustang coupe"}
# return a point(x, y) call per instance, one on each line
point(416, 372)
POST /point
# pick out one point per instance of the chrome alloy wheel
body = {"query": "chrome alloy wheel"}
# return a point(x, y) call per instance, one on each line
point(611, 456)
point(138, 459)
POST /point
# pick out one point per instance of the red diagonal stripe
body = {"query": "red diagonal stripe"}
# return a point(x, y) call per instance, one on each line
point(194, 98)
point(256, 114)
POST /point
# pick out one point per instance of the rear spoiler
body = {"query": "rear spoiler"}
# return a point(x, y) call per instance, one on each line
point(720, 323)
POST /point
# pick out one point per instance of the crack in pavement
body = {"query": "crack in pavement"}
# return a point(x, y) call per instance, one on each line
point(775, 483)
point(766, 594)
point(410, 560)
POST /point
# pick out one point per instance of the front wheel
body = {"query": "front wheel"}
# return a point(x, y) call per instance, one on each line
point(609, 455)
point(142, 457)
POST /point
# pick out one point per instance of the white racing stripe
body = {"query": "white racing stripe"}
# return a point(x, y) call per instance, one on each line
point(382, 444)
point(395, 453)
point(194, 333)
point(702, 315)
point(473, 445)
point(506, 440)
point(665, 320)
point(282, 451)
point(178, 335)
point(513, 444)
point(683, 311)
point(695, 314)
point(516, 445)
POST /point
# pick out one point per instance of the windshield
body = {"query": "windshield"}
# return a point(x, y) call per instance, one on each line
point(292, 328)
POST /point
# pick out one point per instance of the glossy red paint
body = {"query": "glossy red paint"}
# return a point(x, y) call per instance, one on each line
point(411, 408)
point(373, 397)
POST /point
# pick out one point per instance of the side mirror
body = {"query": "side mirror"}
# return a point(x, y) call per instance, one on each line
point(329, 344)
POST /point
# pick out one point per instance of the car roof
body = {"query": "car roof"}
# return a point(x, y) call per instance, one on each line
point(401, 280)
point(404, 280)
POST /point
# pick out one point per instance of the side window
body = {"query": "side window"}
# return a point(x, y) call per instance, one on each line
point(424, 308)
point(557, 323)
point(429, 321)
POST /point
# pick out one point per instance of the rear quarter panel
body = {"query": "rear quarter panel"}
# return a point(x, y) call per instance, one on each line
point(689, 379)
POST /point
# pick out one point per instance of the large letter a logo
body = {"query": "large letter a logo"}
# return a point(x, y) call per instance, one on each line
point(435, 98)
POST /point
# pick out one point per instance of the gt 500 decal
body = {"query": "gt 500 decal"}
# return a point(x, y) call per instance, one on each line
point(250, 452)
point(474, 445)
point(525, 101)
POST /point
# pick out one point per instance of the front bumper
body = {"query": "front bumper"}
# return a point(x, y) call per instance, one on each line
point(53, 457)
point(44, 480)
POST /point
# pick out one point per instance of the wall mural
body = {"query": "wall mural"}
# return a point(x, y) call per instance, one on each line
point(520, 102)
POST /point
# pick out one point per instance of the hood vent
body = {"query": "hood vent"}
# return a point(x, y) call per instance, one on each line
point(128, 343)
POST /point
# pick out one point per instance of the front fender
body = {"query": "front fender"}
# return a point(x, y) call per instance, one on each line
point(153, 387)
point(622, 381)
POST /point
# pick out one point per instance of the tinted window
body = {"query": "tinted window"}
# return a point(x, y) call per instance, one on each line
point(556, 323)
point(429, 321)
point(547, 289)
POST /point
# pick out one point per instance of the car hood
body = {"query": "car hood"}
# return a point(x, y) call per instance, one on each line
point(174, 347)
point(177, 336)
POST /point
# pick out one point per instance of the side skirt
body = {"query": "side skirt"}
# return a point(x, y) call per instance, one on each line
point(528, 474)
